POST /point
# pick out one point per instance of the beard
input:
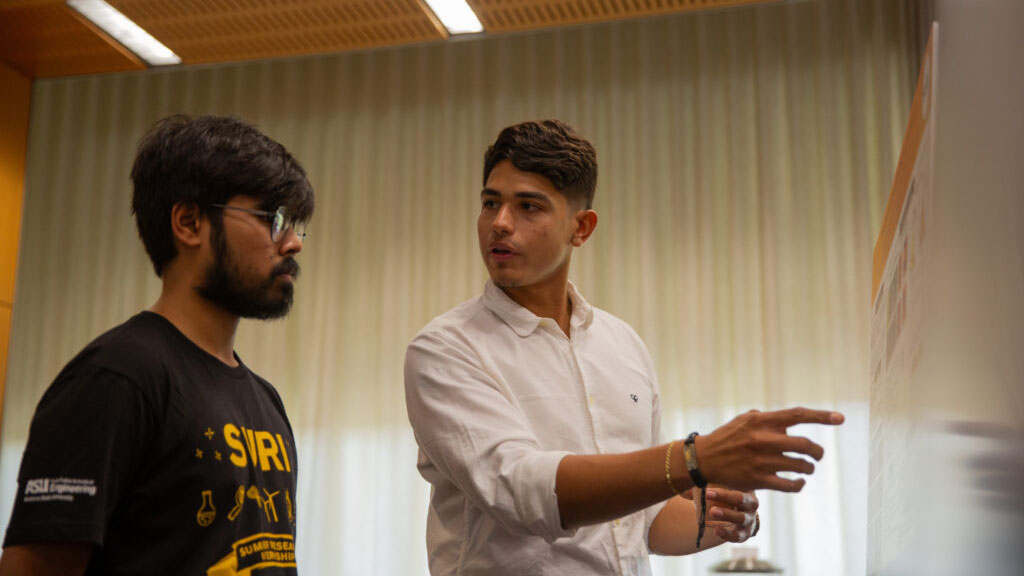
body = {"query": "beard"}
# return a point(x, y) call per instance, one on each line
point(225, 285)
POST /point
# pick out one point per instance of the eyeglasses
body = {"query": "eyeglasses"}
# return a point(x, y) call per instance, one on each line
point(280, 223)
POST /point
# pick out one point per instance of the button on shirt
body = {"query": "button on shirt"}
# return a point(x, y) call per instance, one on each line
point(497, 397)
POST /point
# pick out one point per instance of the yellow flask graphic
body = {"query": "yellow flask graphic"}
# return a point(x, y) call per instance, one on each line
point(206, 512)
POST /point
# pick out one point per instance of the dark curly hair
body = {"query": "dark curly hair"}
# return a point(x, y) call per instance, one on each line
point(552, 149)
point(206, 160)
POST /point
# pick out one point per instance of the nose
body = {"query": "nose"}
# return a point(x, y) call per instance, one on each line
point(503, 221)
point(291, 243)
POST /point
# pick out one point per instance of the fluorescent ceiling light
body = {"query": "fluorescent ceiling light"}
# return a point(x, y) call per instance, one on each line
point(128, 33)
point(456, 16)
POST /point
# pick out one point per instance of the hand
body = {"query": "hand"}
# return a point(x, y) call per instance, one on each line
point(731, 513)
point(747, 453)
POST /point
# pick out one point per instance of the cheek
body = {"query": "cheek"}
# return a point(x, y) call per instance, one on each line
point(255, 258)
point(550, 234)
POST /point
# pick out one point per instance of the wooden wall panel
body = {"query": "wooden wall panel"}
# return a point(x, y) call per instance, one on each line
point(14, 110)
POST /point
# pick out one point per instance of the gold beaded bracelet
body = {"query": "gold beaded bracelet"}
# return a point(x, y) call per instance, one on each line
point(668, 469)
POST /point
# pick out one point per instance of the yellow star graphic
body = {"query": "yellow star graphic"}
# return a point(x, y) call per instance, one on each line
point(209, 433)
point(216, 455)
point(199, 453)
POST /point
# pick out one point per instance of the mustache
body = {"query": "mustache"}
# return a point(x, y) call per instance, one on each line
point(287, 266)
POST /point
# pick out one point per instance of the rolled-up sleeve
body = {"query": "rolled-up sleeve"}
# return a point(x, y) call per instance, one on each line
point(473, 435)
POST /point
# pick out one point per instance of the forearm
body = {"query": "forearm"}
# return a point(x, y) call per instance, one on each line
point(674, 531)
point(600, 487)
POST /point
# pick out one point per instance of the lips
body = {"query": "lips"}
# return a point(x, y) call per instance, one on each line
point(501, 251)
point(502, 247)
point(288, 267)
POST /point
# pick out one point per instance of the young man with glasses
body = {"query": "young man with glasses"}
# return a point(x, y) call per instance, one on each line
point(156, 450)
point(538, 416)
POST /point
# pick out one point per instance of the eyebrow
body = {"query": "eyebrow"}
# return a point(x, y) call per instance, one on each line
point(519, 195)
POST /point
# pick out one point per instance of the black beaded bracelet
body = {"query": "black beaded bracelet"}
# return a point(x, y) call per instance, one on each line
point(690, 456)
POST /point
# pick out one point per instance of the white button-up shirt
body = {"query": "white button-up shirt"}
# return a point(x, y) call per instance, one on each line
point(497, 397)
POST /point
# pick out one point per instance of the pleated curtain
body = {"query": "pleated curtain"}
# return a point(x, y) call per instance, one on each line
point(745, 159)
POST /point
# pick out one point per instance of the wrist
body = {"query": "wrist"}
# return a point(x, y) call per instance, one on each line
point(674, 473)
point(703, 448)
point(680, 477)
point(693, 466)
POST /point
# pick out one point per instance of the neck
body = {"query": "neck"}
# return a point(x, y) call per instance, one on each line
point(548, 300)
point(202, 322)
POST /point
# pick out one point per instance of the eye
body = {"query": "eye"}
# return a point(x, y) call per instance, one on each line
point(530, 206)
point(488, 204)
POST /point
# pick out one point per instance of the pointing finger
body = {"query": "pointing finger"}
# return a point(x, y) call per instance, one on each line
point(800, 415)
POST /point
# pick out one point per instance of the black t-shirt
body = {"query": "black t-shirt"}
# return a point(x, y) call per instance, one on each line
point(165, 458)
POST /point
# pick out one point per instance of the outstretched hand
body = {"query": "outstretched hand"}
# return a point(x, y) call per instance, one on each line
point(748, 452)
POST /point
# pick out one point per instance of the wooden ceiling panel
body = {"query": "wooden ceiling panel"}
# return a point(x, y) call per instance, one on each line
point(46, 38)
point(217, 30)
point(509, 15)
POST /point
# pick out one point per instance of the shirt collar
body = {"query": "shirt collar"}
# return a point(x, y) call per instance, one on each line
point(522, 321)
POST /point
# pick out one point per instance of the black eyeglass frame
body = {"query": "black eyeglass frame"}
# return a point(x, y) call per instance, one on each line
point(278, 221)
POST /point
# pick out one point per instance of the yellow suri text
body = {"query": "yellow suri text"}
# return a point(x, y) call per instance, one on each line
point(259, 447)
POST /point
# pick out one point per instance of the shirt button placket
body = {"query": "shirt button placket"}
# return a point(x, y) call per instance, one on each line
point(591, 405)
point(587, 394)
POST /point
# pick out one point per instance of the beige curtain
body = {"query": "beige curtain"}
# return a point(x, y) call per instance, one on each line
point(745, 159)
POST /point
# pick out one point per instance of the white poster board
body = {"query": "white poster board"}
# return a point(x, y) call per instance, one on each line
point(898, 289)
point(946, 460)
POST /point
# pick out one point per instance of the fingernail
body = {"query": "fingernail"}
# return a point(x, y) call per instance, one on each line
point(837, 418)
point(717, 513)
point(712, 494)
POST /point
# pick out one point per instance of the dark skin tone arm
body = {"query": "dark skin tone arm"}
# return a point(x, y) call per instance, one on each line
point(745, 454)
point(61, 559)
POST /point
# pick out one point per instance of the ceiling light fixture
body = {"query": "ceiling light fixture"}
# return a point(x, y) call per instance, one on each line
point(456, 16)
point(128, 33)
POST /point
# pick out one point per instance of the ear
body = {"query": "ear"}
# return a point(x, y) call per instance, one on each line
point(186, 224)
point(586, 221)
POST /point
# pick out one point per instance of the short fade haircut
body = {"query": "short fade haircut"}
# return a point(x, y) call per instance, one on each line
point(206, 160)
point(552, 149)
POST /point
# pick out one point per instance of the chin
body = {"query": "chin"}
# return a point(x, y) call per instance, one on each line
point(506, 281)
point(268, 310)
point(503, 280)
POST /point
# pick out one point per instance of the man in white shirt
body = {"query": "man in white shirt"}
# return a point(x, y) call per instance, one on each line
point(538, 416)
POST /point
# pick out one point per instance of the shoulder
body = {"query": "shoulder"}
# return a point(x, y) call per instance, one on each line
point(134, 353)
point(453, 343)
point(458, 325)
point(135, 346)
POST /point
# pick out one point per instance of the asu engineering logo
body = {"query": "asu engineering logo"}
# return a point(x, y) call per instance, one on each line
point(61, 489)
point(37, 486)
